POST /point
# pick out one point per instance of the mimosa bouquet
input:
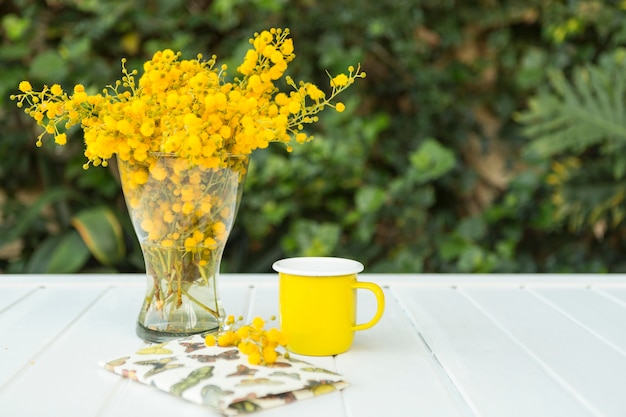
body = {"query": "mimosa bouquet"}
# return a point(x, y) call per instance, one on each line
point(182, 134)
point(187, 108)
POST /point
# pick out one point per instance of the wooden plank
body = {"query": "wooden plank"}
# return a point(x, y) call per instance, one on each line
point(498, 280)
point(617, 294)
point(591, 309)
point(70, 362)
point(74, 280)
point(567, 351)
point(392, 372)
point(29, 326)
point(10, 295)
point(64, 376)
point(492, 373)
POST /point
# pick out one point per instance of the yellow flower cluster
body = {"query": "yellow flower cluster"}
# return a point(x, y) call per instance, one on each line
point(187, 108)
point(177, 204)
point(260, 345)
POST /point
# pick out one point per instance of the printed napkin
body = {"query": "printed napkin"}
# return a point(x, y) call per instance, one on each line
point(222, 378)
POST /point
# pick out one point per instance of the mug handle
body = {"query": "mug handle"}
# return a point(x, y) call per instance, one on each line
point(380, 299)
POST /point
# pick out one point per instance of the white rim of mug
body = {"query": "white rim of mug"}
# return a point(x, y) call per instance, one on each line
point(318, 266)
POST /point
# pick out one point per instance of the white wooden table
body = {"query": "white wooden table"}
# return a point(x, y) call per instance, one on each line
point(448, 345)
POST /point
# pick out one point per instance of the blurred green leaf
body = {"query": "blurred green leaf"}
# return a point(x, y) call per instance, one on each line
point(48, 66)
point(15, 51)
point(31, 214)
point(472, 228)
point(476, 259)
point(102, 233)
point(69, 255)
point(369, 198)
point(431, 161)
point(532, 70)
point(76, 48)
point(59, 254)
point(451, 247)
point(310, 238)
point(15, 26)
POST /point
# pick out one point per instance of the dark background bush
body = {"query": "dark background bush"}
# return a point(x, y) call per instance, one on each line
point(432, 167)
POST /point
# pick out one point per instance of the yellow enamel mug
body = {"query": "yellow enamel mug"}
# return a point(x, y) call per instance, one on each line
point(318, 303)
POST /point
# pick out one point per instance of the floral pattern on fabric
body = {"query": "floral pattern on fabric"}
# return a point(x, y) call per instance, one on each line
point(222, 378)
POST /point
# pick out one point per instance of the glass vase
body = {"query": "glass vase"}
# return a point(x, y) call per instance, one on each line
point(182, 214)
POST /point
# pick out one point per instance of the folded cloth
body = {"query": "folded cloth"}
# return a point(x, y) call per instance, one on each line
point(222, 378)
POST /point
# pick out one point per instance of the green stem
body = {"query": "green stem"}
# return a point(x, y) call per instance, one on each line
point(212, 312)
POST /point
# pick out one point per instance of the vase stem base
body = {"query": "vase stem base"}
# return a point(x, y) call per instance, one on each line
point(154, 336)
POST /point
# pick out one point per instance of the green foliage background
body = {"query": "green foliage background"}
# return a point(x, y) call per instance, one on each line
point(487, 136)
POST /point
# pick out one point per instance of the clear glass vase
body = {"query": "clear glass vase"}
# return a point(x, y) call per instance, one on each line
point(182, 214)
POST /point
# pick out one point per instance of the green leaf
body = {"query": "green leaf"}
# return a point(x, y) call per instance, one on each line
point(59, 254)
point(369, 199)
point(311, 238)
point(31, 214)
point(472, 228)
point(102, 233)
point(577, 114)
point(48, 65)
point(69, 255)
point(451, 247)
point(38, 262)
point(431, 161)
point(14, 26)
point(470, 259)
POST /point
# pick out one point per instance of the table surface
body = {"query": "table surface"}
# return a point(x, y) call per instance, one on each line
point(447, 345)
